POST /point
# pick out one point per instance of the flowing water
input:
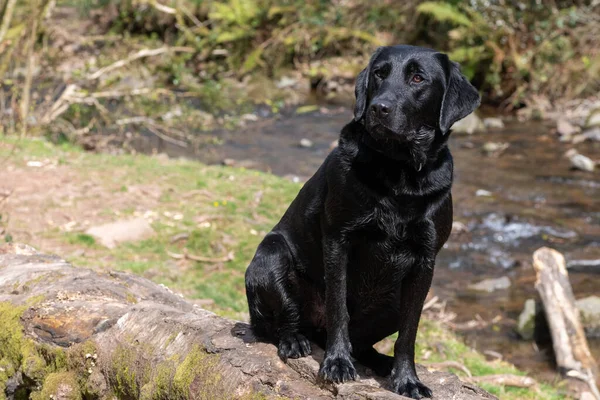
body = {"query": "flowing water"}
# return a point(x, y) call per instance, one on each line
point(511, 204)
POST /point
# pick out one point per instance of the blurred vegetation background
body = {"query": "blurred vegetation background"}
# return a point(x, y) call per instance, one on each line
point(220, 59)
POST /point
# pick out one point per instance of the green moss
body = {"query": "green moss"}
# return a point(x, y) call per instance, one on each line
point(16, 350)
point(162, 381)
point(61, 385)
point(171, 339)
point(131, 298)
point(32, 301)
point(193, 378)
point(79, 359)
point(196, 364)
point(11, 334)
point(123, 364)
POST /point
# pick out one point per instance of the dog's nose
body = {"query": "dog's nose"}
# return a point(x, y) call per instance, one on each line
point(381, 109)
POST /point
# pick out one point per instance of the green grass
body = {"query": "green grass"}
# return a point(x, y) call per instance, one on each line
point(216, 207)
point(431, 334)
point(81, 238)
point(222, 197)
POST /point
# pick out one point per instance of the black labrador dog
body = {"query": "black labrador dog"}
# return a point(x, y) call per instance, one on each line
point(352, 259)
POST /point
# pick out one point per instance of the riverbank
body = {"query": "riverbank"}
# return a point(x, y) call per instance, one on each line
point(205, 223)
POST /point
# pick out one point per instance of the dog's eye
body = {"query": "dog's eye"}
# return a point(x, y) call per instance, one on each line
point(417, 78)
point(380, 74)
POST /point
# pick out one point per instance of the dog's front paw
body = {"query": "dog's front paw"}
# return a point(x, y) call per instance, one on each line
point(293, 346)
point(337, 369)
point(407, 384)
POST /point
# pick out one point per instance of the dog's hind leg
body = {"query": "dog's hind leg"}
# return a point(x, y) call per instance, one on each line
point(274, 299)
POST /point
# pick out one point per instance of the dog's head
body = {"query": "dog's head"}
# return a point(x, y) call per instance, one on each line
point(408, 97)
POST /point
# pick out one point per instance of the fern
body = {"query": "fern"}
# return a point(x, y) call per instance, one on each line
point(235, 12)
point(444, 12)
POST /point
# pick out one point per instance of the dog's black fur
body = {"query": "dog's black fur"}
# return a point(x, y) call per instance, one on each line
point(352, 259)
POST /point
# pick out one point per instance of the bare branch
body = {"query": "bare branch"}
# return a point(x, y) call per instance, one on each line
point(136, 56)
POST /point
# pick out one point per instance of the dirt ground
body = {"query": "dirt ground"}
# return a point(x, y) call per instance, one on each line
point(45, 197)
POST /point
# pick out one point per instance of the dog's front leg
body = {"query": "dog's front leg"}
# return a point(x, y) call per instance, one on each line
point(414, 290)
point(337, 365)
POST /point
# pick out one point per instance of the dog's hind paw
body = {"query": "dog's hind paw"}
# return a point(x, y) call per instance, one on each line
point(337, 369)
point(293, 346)
point(410, 387)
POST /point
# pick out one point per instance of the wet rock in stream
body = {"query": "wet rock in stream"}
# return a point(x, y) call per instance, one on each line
point(491, 285)
point(565, 129)
point(468, 125)
point(589, 311)
point(495, 237)
point(579, 161)
point(493, 123)
point(526, 322)
point(306, 143)
point(591, 134)
point(494, 148)
point(509, 229)
point(593, 118)
point(532, 322)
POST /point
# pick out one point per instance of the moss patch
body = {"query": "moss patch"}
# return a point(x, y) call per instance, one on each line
point(196, 371)
point(17, 351)
point(193, 378)
point(126, 373)
point(44, 366)
point(59, 385)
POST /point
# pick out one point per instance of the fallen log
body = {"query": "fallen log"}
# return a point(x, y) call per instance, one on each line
point(573, 356)
point(73, 333)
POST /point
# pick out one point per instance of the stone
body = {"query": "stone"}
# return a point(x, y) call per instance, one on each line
point(306, 143)
point(459, 228)
point(491, 285)
point(591, 134)
point(132, 230)
point(526, 322)
point(494, 148)
point(493, 123)
point(483, 193)
point(172, 114)
point(468, 125)
point(579, 161)
point(589, 312)
point(593, 118)
point(565, 128)
point(286, 82)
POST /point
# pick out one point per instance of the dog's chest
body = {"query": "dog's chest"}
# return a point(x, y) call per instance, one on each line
point(395, 237)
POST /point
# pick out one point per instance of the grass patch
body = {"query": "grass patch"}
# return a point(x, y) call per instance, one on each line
point(438, 344)
point(81, 238)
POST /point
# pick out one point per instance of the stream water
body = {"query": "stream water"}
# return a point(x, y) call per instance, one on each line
point(534, 200)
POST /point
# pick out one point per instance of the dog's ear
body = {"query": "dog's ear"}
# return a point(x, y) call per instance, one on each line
point(460, 97)
point(362, 88)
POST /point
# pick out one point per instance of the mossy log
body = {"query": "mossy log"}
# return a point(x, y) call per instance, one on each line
point(74, 333)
